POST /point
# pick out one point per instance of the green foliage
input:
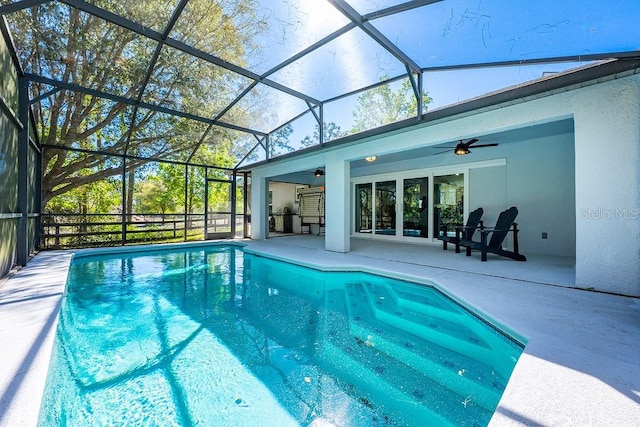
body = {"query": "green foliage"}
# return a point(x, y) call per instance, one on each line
point(152, 196)
point(381, 105)
point(450, 214)
point(92, 198)
point(279, 141)
point(66, 44)
point(331, 131)
point(412, 202)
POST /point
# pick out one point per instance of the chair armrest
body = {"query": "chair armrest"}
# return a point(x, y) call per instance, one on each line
point(512, 228)
point(448, 226)
point(464, 227)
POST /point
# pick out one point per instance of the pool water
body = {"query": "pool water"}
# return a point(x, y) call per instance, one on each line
point(214, 336)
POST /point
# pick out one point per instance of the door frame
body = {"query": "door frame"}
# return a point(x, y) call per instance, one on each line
point(231, 213)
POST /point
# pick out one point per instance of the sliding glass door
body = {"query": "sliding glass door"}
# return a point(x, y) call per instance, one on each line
point(415, 207)
point(448, 203)
point(364, 208)
point(410, 207)
point(385, 208)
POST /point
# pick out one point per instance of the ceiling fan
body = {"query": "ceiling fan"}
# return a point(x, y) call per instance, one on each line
point(462, 148)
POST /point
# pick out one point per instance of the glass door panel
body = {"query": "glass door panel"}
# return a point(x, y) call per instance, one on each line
point(386, 208)
point(364, 208)
point(415, 207)
point(448, 194)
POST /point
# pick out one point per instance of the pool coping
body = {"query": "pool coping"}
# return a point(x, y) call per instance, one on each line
point(577, 368)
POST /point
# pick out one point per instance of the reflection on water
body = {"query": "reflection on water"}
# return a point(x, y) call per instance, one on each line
point(218, 337)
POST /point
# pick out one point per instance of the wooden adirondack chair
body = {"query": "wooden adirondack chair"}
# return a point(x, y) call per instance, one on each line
point(465, 232)
point(504, 225)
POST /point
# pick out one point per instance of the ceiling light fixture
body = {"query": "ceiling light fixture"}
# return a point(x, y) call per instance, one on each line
point(318, 173)
point(371, 158)
point(461, 150)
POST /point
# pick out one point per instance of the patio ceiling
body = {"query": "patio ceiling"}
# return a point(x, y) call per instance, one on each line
point(178, 79)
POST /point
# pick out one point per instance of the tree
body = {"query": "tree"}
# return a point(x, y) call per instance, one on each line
point(381, 105)
point(91, 198)
point(331, 131)
point(153, 197)
point(279, 140)
point(66, 44)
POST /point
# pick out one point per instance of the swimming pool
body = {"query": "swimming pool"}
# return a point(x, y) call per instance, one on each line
point(215, 336)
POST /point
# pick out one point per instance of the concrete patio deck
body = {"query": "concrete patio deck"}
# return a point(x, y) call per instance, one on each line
point(579, 367)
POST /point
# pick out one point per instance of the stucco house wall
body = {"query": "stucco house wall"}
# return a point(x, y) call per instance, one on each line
point(606, 167)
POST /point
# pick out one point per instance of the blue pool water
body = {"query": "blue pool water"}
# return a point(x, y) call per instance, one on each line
point(213, 336)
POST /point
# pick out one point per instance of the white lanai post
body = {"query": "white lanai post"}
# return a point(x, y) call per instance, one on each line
point(258, 206)
point(337, 212)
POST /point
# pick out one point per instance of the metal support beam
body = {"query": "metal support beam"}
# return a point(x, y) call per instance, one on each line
point(348, 11)
point(206, 203)
point(321, 126)
point(633, 54)
point(124, 200)
point(150, 67)
point(22, 249)
point(11, 47)
point(366, 88)
point(313, 111)
point(420, 111)
point(123, 100)
point(130, 157)
point(245, 207)
point(218, 116)
point(147, 32)
point(21, 5)
point(403, 7)
point(186, 201)
point(199, 143)
point(38, 198)
point(417, 91)
point(414, 85)
point(310, 49)
point(44, 95)
point(259, 144)
point(232, 198)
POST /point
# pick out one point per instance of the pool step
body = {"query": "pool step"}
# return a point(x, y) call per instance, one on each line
point(447, 319)
point(383, 303)
point(372, 390)
point(432, 328)
point(465, 379)
point(413, 298)
point(461, 374)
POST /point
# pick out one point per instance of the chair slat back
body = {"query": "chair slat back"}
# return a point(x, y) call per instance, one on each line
point(472, 224)
point(505, 220)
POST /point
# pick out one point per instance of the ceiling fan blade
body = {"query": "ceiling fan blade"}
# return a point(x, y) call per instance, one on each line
point(485, 145)
point(442, 152)
point(471, 141)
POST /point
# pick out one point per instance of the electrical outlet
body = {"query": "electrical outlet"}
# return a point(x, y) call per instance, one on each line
point(544, 234)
